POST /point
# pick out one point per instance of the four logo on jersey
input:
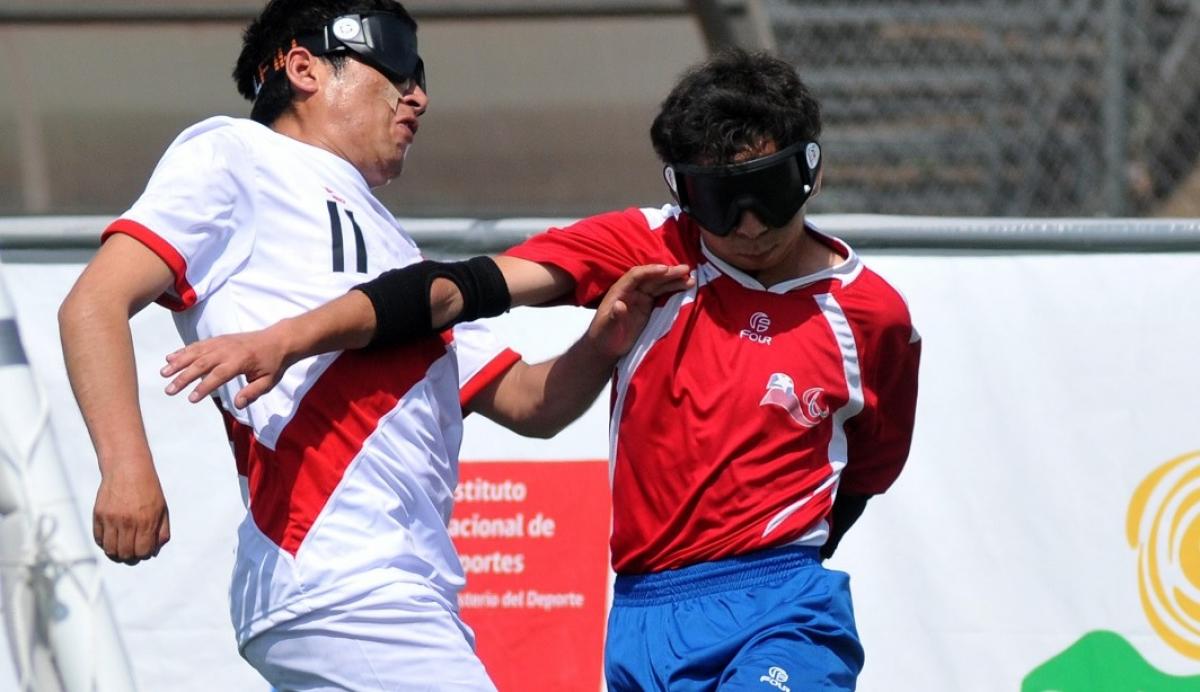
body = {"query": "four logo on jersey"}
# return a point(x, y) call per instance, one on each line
point(760, 322)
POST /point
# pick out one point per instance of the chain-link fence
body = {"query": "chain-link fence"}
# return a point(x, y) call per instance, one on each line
point(1002, 107)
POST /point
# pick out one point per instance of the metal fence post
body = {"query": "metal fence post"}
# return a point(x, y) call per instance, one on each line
point(1116, 125)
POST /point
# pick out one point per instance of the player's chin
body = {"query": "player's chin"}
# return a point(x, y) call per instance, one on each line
point(393, 167)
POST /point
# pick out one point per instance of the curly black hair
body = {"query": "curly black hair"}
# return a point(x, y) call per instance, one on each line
point(734, 101)
point(273, 30)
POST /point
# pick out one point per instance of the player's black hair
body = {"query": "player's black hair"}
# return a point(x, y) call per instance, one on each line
point(732, 102)
point(273, 30)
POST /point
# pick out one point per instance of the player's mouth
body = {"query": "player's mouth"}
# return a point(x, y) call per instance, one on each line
point(410, 124)
point(756, 251)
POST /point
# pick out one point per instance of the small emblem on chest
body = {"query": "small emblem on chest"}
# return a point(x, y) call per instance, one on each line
point(760, 322)
point(808, 409)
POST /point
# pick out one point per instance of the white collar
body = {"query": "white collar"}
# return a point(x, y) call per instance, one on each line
point(845, 271)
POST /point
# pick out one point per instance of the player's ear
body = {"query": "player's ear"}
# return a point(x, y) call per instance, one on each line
point(817, 183)
point(303, 70)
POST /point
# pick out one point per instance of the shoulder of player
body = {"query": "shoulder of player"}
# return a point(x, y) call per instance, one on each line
point(656, 232)
point(871, 298)
point(219, 138)
point(664, 218)
point(631, 219)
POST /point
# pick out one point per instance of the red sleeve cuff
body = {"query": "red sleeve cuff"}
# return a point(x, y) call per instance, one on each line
point(486, 375)
point(185, 296)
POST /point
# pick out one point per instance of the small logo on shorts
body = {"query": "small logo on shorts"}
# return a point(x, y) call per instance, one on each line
point(775, 677)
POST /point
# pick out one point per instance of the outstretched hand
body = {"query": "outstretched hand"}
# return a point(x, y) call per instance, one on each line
point(259, 355)
point(627, 306)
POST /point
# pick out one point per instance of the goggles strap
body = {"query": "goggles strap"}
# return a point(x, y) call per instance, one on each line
point(271, 66)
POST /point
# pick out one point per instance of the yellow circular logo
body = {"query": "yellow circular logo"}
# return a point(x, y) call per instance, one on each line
point(1163, 525)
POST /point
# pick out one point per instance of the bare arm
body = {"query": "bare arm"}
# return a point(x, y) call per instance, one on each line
point(346, 322)
point(130, 520)
point(540, 400)
point(529, 283)
point(263, 355)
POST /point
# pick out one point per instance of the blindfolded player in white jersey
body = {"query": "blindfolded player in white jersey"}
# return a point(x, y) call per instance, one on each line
point(345, 575)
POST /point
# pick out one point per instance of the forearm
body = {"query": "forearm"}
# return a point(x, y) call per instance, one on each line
point(572, 383)
point(528, 283)
point(98, 351)
point(347, 322)
point(428, 296)
point(540, 400)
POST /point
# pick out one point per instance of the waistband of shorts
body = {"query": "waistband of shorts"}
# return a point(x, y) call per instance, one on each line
point(731, 574)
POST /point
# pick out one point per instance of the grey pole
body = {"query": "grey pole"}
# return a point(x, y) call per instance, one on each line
point(714, 22)
point(1116, 135)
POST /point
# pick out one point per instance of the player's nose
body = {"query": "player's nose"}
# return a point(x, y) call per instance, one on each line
point(750, 226)
point(417, 99)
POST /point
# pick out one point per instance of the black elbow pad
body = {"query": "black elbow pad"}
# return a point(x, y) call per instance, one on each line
point(401, 297)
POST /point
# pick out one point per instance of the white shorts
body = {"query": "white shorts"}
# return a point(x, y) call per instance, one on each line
point(394, 638)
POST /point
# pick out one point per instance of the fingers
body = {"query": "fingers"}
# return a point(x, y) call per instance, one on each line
point(164, 534)
point(672, 280)
point(210, 380)
point(217, 376)
point(128, 535)
point(250, 393)
point(672, 286)
point(212, 363)
point(110, 542)
point(657, 279)
point(176, 361)
point(190, 364)
point(146, 542)
point(129, 551)
point(127, 543)
point(184, 364)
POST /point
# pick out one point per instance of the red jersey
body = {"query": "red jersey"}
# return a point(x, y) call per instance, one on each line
point(743, 409)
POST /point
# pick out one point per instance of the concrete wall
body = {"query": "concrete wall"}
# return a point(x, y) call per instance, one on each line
point(528, 116)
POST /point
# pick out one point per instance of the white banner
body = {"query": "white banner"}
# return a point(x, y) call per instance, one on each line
point(1045, 535)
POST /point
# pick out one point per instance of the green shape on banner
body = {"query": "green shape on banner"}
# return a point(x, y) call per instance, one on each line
point(1103, 661)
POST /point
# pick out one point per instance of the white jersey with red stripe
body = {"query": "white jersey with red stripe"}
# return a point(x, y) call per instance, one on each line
point(742, 409)
point(351, 461)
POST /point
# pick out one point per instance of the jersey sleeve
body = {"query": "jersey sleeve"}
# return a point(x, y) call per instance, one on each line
point(880, 436)
point(196, 214)
point(481, 359)
point(597, 250)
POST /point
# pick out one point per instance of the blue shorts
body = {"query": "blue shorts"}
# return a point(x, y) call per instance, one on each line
point(772, 620)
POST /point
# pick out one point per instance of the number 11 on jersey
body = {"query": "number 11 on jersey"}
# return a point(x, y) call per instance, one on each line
point(339, 253)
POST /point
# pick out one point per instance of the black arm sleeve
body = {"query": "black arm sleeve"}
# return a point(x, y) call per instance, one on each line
point(402, 301)
point(846, 510)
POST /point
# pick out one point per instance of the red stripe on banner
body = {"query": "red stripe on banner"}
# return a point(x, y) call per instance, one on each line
point(486, 375)
point(167, 253)
point(290, 484)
